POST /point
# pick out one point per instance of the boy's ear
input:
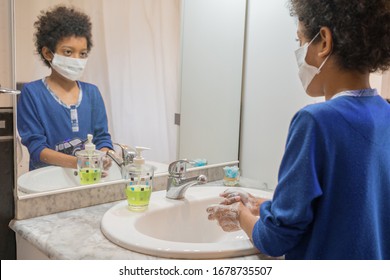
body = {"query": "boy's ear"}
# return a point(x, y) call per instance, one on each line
point(47, 54)
point(326, 42)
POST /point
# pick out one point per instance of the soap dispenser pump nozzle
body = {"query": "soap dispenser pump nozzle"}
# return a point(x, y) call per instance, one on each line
point(139, 160)
point(89, 146)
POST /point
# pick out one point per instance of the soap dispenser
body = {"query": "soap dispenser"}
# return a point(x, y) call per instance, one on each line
point(140, 180)
point(89, 163)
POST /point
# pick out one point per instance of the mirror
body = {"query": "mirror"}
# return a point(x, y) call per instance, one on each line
point(141, 64)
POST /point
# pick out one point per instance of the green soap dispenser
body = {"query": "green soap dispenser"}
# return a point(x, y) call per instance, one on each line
point(89, 163)
point(140, 182)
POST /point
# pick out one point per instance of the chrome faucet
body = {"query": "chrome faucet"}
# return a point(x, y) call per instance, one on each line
point(127, 153)
point(177, 184)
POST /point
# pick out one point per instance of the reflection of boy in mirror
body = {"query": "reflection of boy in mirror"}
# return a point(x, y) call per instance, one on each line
point(60, 109)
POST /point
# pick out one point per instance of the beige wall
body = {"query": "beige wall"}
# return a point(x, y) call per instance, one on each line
point(5, 51)
point(382, 83)
point(386, 85)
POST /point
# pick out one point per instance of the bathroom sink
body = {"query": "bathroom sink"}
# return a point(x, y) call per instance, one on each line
point(177, 228)
point(53, 178)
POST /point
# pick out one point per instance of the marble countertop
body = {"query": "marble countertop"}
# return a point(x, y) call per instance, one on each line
point(76, 234)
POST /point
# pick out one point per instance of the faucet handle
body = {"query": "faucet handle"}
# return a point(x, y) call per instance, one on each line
point(177, 168)
point(115, 157)
point(123, 147)
point(127, 152)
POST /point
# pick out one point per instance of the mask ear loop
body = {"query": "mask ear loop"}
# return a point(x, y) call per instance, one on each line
point(323, 63)
point(312, 40)
point(52, 57)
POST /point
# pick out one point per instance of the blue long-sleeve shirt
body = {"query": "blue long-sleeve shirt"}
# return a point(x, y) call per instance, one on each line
point(332, 200)
point(45, 122)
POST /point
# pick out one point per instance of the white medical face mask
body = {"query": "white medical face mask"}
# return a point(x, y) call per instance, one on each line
point(307, 72)
point(70, 68)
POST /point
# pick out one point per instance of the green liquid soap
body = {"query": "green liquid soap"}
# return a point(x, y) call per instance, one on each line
point(138, 197)
point(90, 176)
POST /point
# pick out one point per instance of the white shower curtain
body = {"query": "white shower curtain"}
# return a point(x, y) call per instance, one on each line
point(143, 75)
point(134, 62)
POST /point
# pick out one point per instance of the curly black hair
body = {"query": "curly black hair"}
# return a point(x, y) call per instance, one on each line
point(360, 30)
point(58, 23)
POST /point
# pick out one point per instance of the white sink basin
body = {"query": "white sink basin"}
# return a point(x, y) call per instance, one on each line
point(177, 228)
point(53, 178)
